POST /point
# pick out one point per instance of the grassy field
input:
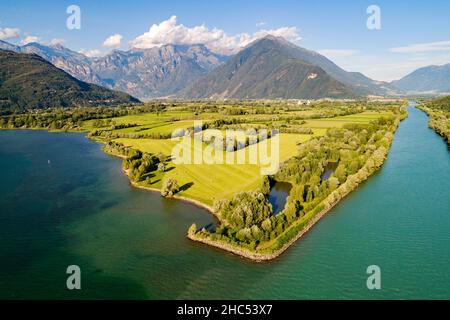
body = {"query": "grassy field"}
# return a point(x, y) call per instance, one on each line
point(210, 182)
point(338, 122)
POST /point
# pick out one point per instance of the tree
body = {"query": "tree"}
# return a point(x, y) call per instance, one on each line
point(169, 187)
point(244, 234)
point(340, 173)
point(256, 232)
point(265, 188)
point(161, 167)
point(333, 183)
point(161, 157)
point(192, 229)
point(267, 225)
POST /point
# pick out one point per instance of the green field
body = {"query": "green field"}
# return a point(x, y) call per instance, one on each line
point(210, 182)
point(338, 122)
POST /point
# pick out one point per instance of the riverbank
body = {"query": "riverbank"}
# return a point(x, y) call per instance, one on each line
point(185, 199)
point(137, 185)
point(131, 244)
point(245, 253)
point(438, 122)
point(271, 248)
point(302, 226)
point(260, 257)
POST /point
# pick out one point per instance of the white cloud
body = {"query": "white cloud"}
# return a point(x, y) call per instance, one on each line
point(289, 33)
point(55, 42)
point(170, 32)
point(113, 41)
point(9, 33)
point(91, 53)
point(423, 47)
point(337, 53)
point(29, 39)
point(261, 23)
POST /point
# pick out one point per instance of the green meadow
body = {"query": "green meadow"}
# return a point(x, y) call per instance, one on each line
point(208, 181)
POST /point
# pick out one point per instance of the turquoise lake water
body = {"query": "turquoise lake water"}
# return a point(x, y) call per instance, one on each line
point(64, 202)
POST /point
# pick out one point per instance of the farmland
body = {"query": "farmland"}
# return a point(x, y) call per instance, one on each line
point(208, 183)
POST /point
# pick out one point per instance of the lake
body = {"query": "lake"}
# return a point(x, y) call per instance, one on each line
point(64, 202)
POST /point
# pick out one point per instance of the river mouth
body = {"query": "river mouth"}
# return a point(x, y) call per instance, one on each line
point(131, 244)
point(278, 196)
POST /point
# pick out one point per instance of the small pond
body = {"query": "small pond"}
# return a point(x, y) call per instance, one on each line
point(278, 195)
point(329, 169)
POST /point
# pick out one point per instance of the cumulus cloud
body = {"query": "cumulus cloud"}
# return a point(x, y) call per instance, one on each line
point(113, 41)
point(91, 53)
point(171, 32)
point(289, 33)
point(9, 33)
point(55, 42)
point(337, 53)
point(29, 39)
point(423, 47)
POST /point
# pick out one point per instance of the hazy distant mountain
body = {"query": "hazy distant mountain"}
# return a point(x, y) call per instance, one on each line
point(427, 79)
point(155, 72)
point(8, 46)
point(74, 63)
point(144, 73)
point(268, 68)
point(29, 81)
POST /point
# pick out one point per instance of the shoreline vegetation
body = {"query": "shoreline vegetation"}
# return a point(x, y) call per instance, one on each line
point(175, 197)
point(379, 133)
point(438, 112)
point(297, 230)
point(355, 138)
point(245, 253)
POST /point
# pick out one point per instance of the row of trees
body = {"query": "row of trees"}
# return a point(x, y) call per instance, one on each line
point(71, 118)
point(141, 165)
point(235, 141)
point(119, 149)
point(439, 116)
point(110, 134)
point(138, 164)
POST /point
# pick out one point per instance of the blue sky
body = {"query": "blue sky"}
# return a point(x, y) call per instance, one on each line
point(412, 34)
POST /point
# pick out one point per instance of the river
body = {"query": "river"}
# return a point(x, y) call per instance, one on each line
point(64, 202)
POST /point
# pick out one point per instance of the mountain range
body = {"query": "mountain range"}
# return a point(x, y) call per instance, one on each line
point(155, 72)
point(30, 81)
point(144, 73)
point(267, 68)
point(432, 79)
point(279, 69)
point(270, 67)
